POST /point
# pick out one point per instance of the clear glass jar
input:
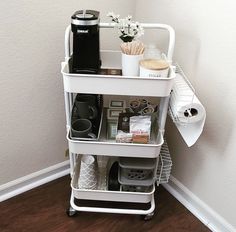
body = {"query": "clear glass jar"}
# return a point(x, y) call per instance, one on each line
point(152, 52)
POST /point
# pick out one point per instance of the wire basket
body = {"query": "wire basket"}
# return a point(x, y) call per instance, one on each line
point(164, 165)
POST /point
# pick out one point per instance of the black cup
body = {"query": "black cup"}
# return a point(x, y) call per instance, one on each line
point(86, 106)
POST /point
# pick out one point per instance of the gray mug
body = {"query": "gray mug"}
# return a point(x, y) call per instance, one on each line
point(86, 106)
point(82, 128)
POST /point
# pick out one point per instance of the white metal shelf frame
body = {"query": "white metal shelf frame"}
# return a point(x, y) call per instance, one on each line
point(164, 101)
point(163, 109)
point(170, 30)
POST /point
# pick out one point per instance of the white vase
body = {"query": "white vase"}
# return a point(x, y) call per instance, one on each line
point(130, 64)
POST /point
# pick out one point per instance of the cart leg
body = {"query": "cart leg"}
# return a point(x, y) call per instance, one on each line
point(148, 217)
point(71, 212)
point(163, 110)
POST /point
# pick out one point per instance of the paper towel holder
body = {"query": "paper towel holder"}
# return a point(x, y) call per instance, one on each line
point(191, 112)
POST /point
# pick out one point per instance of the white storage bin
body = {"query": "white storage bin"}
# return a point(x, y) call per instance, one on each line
point(137, 168)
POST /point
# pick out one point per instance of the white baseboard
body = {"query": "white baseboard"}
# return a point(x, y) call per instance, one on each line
point(33, 180)
point(197, 207)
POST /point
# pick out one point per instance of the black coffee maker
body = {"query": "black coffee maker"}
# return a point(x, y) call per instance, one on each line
point(86, 49)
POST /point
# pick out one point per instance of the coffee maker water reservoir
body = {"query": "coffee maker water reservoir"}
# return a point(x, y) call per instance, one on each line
point(86, 45)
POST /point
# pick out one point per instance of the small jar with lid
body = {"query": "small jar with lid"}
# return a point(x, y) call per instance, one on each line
point(154, 68)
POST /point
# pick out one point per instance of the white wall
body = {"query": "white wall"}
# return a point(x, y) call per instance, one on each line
point(205, 48)
point(32, 128)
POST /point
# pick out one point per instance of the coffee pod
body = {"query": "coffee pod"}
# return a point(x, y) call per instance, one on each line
point(147, 110)
point(154, 68)
point(143, 103)
point(134, 105)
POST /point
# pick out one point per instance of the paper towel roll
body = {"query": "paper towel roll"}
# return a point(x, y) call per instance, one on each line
point(188, 111)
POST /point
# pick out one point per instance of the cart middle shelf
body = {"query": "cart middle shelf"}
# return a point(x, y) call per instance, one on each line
point(111, 148)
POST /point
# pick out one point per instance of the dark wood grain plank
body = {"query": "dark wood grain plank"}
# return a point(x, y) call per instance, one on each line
point(43, 209)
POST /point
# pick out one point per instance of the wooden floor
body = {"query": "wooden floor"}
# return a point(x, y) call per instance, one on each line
point(43, 209)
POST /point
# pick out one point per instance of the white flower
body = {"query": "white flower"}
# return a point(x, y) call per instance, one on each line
point(126, 27)
point(111, 14)
point(129, 17)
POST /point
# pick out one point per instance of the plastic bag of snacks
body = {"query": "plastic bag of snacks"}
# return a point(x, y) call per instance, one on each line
point(140, 128)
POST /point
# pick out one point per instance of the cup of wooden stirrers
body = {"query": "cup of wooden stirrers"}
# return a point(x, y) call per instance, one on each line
point(132, 48)
point(132, 53)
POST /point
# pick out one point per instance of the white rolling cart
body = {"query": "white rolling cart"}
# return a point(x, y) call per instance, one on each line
point(115, 85)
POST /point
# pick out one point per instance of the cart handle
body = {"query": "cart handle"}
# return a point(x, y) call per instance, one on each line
point(144, 25)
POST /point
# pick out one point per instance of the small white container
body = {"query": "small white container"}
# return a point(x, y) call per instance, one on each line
point(130, 64)
point(154, 68)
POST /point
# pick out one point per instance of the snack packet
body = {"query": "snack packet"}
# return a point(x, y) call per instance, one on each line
point(124, 137)
point(140, 127)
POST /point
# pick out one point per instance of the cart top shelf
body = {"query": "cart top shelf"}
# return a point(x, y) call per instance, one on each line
point(115, 84)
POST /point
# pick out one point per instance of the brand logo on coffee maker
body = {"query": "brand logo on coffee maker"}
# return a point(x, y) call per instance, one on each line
point(82, 31)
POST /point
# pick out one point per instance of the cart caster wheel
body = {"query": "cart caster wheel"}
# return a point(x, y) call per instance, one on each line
point(71, 212)
point(148, 217)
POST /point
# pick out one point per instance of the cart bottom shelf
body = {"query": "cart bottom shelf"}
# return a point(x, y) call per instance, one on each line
point(108, 195)
point(113, 207)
